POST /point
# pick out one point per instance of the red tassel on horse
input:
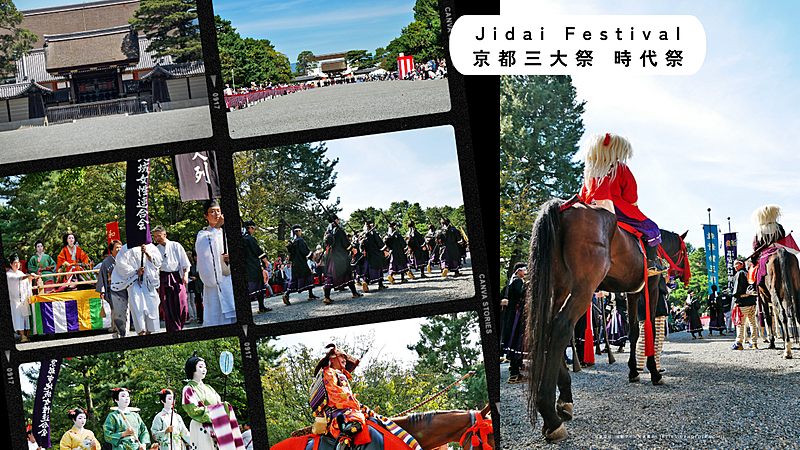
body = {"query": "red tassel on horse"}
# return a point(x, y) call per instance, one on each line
point(588, 344)
point(649, 347)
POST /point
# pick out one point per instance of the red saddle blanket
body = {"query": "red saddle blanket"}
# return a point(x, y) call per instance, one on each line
point(366, 440)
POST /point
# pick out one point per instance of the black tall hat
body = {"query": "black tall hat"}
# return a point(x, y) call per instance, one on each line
point(212, 203)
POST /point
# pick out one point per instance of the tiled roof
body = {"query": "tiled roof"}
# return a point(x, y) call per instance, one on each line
point(87, 34)
point(116, 46)
point(17, 89)
point(52, 9)
point(179, 70)
point(33, 66)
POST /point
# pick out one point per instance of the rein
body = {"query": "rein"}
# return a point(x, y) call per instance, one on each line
point(480, 430)
point(471, 372)
point(685, 271)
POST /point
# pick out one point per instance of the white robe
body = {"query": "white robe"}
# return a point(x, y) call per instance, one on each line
point(19, 292)
point(142, 295)
point(218, 304)
point(180, 434)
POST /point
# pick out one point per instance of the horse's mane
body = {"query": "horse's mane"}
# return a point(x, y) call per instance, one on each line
point(427, 417)
point(668, 239)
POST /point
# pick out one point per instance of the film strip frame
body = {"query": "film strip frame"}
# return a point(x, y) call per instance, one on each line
point(472, 103)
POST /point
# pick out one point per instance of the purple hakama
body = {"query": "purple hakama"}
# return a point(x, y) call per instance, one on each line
point(301, 284)
point(172, 293)
point(332, 281)
point(449, 263)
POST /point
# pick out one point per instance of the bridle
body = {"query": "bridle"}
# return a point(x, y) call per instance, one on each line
point(481, 428)
point(681, 267)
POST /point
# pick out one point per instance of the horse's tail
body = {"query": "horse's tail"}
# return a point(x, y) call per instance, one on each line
point(539, 296)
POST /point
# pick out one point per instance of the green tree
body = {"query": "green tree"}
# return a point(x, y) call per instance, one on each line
point(446, 350)
point(305, 62)
point(86, 381)
point(422, 38)
point(249, 60)
point(286, 182)
point(540, 126)
point(44, 205)
point(173, 26)
point(359, 58)
point(15, 41)
point(380, 58)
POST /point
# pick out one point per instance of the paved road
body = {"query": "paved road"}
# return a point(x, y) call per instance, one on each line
point(714, 398)
point(434, 288)
point(104, 133)
point(340, 104)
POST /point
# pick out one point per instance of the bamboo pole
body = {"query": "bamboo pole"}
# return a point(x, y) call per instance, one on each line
point(48, 286)
point(55, 274)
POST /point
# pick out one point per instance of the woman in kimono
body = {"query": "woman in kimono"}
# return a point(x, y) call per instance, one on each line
point(72, 258)
point(168, 425)
point(19, 293)
point(202, 403)
point(124, 429)
point(42, 264)
point(78, 437)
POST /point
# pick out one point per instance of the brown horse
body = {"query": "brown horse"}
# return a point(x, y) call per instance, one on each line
point(573, 253)
point(436, 428)
point(781, 290)
point(431, 430)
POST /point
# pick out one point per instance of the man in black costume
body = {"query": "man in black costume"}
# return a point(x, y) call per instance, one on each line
point(338, 252)
point(254, 258)
point(433, 247)
point(416, 249)
point(450, 253)
point(374, 260)
point(398, 263)
point(302, 277)
point(513, 331)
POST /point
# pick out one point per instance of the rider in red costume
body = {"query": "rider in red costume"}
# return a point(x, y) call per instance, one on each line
point(609, 183)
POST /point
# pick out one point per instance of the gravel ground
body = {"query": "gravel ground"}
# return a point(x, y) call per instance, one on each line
point(339, 105)
point(713, 398)
point(434, 288)
point(104, 133)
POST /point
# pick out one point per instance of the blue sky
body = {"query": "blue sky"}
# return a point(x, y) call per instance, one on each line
point(416, 165)
point(725, 138)
point(319, 26)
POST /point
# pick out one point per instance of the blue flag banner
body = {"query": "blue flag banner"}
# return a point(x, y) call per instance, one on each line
point(42, 404)
point(711, 236)
point(137, 217)
point(730, 243)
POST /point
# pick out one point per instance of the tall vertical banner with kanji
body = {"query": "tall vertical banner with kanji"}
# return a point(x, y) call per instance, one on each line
point(711, 236)
point(137, 217)
point(43, 403)
point(197, 176)
point(730, 244)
